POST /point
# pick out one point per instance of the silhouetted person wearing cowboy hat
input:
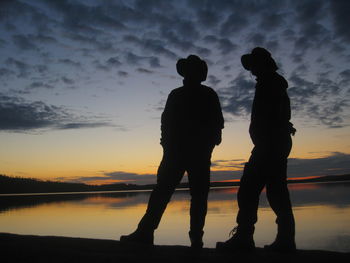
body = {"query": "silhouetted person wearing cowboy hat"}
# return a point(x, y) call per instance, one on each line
point(191, 125)
point(270, 131)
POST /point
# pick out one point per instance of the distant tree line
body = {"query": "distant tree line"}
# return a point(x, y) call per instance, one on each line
point(12, 185)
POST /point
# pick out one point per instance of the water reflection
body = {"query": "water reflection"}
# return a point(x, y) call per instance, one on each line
point(321, 210)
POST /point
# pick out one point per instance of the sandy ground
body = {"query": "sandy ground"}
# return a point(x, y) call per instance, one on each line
point(26, 248)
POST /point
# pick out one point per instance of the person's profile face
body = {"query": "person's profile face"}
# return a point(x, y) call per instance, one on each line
point(258, 69)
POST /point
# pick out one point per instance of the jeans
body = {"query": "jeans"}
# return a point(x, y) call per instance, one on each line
point(194, 160)
point(267, 166)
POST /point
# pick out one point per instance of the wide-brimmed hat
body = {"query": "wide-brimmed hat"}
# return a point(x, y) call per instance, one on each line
point(192, 67)
point(259, 57)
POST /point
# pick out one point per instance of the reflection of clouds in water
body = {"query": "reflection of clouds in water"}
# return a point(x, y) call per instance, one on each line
point(321, 211)
point(332, 194)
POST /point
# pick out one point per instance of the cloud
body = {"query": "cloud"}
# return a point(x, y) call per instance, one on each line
point(24, 42)
point(123, 73)
point(112, 35)
point(116, 176)
point(69, 62)
point(22, 67)
point(234, 163)
point(146, 71)
point(39, 84)
point(67, 81)
point(5, 73)
point(95, 16)
point(256, 39)
point(225, 45)
point(214, 81)
point(345, 77)
point(155, 46)
point(207, 18)
point(340, 11)
point(135, 60)
point(233, 24)
point(18, 115)
point(113, 62)
point(335, 163)
point(237, 99)
point(272, 21)
point(322, 101)
point(2, 42)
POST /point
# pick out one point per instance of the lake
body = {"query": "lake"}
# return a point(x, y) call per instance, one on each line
point(322, 213)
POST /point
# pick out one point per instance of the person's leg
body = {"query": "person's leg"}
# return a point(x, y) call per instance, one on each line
point(169, 175)
point(251, 185)
point(199, 182)
point(279, 199)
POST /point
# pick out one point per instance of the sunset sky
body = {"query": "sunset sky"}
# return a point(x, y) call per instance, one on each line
point(83, 83)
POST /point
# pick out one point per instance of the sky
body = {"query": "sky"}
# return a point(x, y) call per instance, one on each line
point(83, 83)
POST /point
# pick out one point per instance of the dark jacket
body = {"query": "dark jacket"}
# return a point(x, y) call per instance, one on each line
point(192, 116)
point(270, 117)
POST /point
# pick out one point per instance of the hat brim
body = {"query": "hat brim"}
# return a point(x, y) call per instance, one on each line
point(246, 61)
point(192, 66)
point(181, 67)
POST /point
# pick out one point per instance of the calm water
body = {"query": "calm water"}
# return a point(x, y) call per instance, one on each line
point(322, 213)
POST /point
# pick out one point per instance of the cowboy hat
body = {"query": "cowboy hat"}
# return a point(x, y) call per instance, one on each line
point(192, 67)
point(259, 57)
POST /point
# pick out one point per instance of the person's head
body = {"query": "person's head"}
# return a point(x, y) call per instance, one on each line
point(259, 62)
point(192, 68)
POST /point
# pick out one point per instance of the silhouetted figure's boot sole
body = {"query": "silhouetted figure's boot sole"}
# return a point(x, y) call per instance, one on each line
point(280, 247)
point(226, 247)
point(138, 238)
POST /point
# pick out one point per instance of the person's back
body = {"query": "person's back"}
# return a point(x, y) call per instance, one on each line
point(192, 116)
point(270, 117)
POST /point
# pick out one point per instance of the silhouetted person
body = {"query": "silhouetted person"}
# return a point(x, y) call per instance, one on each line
point(270, 131)
point(191, 126)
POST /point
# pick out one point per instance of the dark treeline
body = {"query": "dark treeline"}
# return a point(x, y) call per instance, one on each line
point(14, 185)
point(29, 185)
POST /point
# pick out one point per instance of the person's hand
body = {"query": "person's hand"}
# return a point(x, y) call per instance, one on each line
point(218, 139)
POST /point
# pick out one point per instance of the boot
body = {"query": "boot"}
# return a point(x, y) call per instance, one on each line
point(196, 240)
point(281, 246)
point(285, 240)
point(241, 240)
point(139, 236)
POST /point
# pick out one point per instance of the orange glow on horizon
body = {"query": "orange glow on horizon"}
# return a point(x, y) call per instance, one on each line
point(289, 179)
point(108, 181)
point(303, 178)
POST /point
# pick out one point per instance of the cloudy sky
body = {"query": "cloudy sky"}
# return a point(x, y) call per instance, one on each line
point(83, 83)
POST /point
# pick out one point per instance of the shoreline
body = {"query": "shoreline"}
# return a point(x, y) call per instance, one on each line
point(291, 182)
point(30, 248)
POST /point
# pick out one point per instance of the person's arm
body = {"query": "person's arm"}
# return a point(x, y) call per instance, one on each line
point(217, 119)
point(166, 120)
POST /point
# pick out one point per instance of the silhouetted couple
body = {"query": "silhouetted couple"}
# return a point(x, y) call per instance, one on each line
point(191, 126)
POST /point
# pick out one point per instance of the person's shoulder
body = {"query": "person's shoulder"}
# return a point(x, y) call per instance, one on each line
point(208, 90)
point(176, 91)
point(280, 80)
